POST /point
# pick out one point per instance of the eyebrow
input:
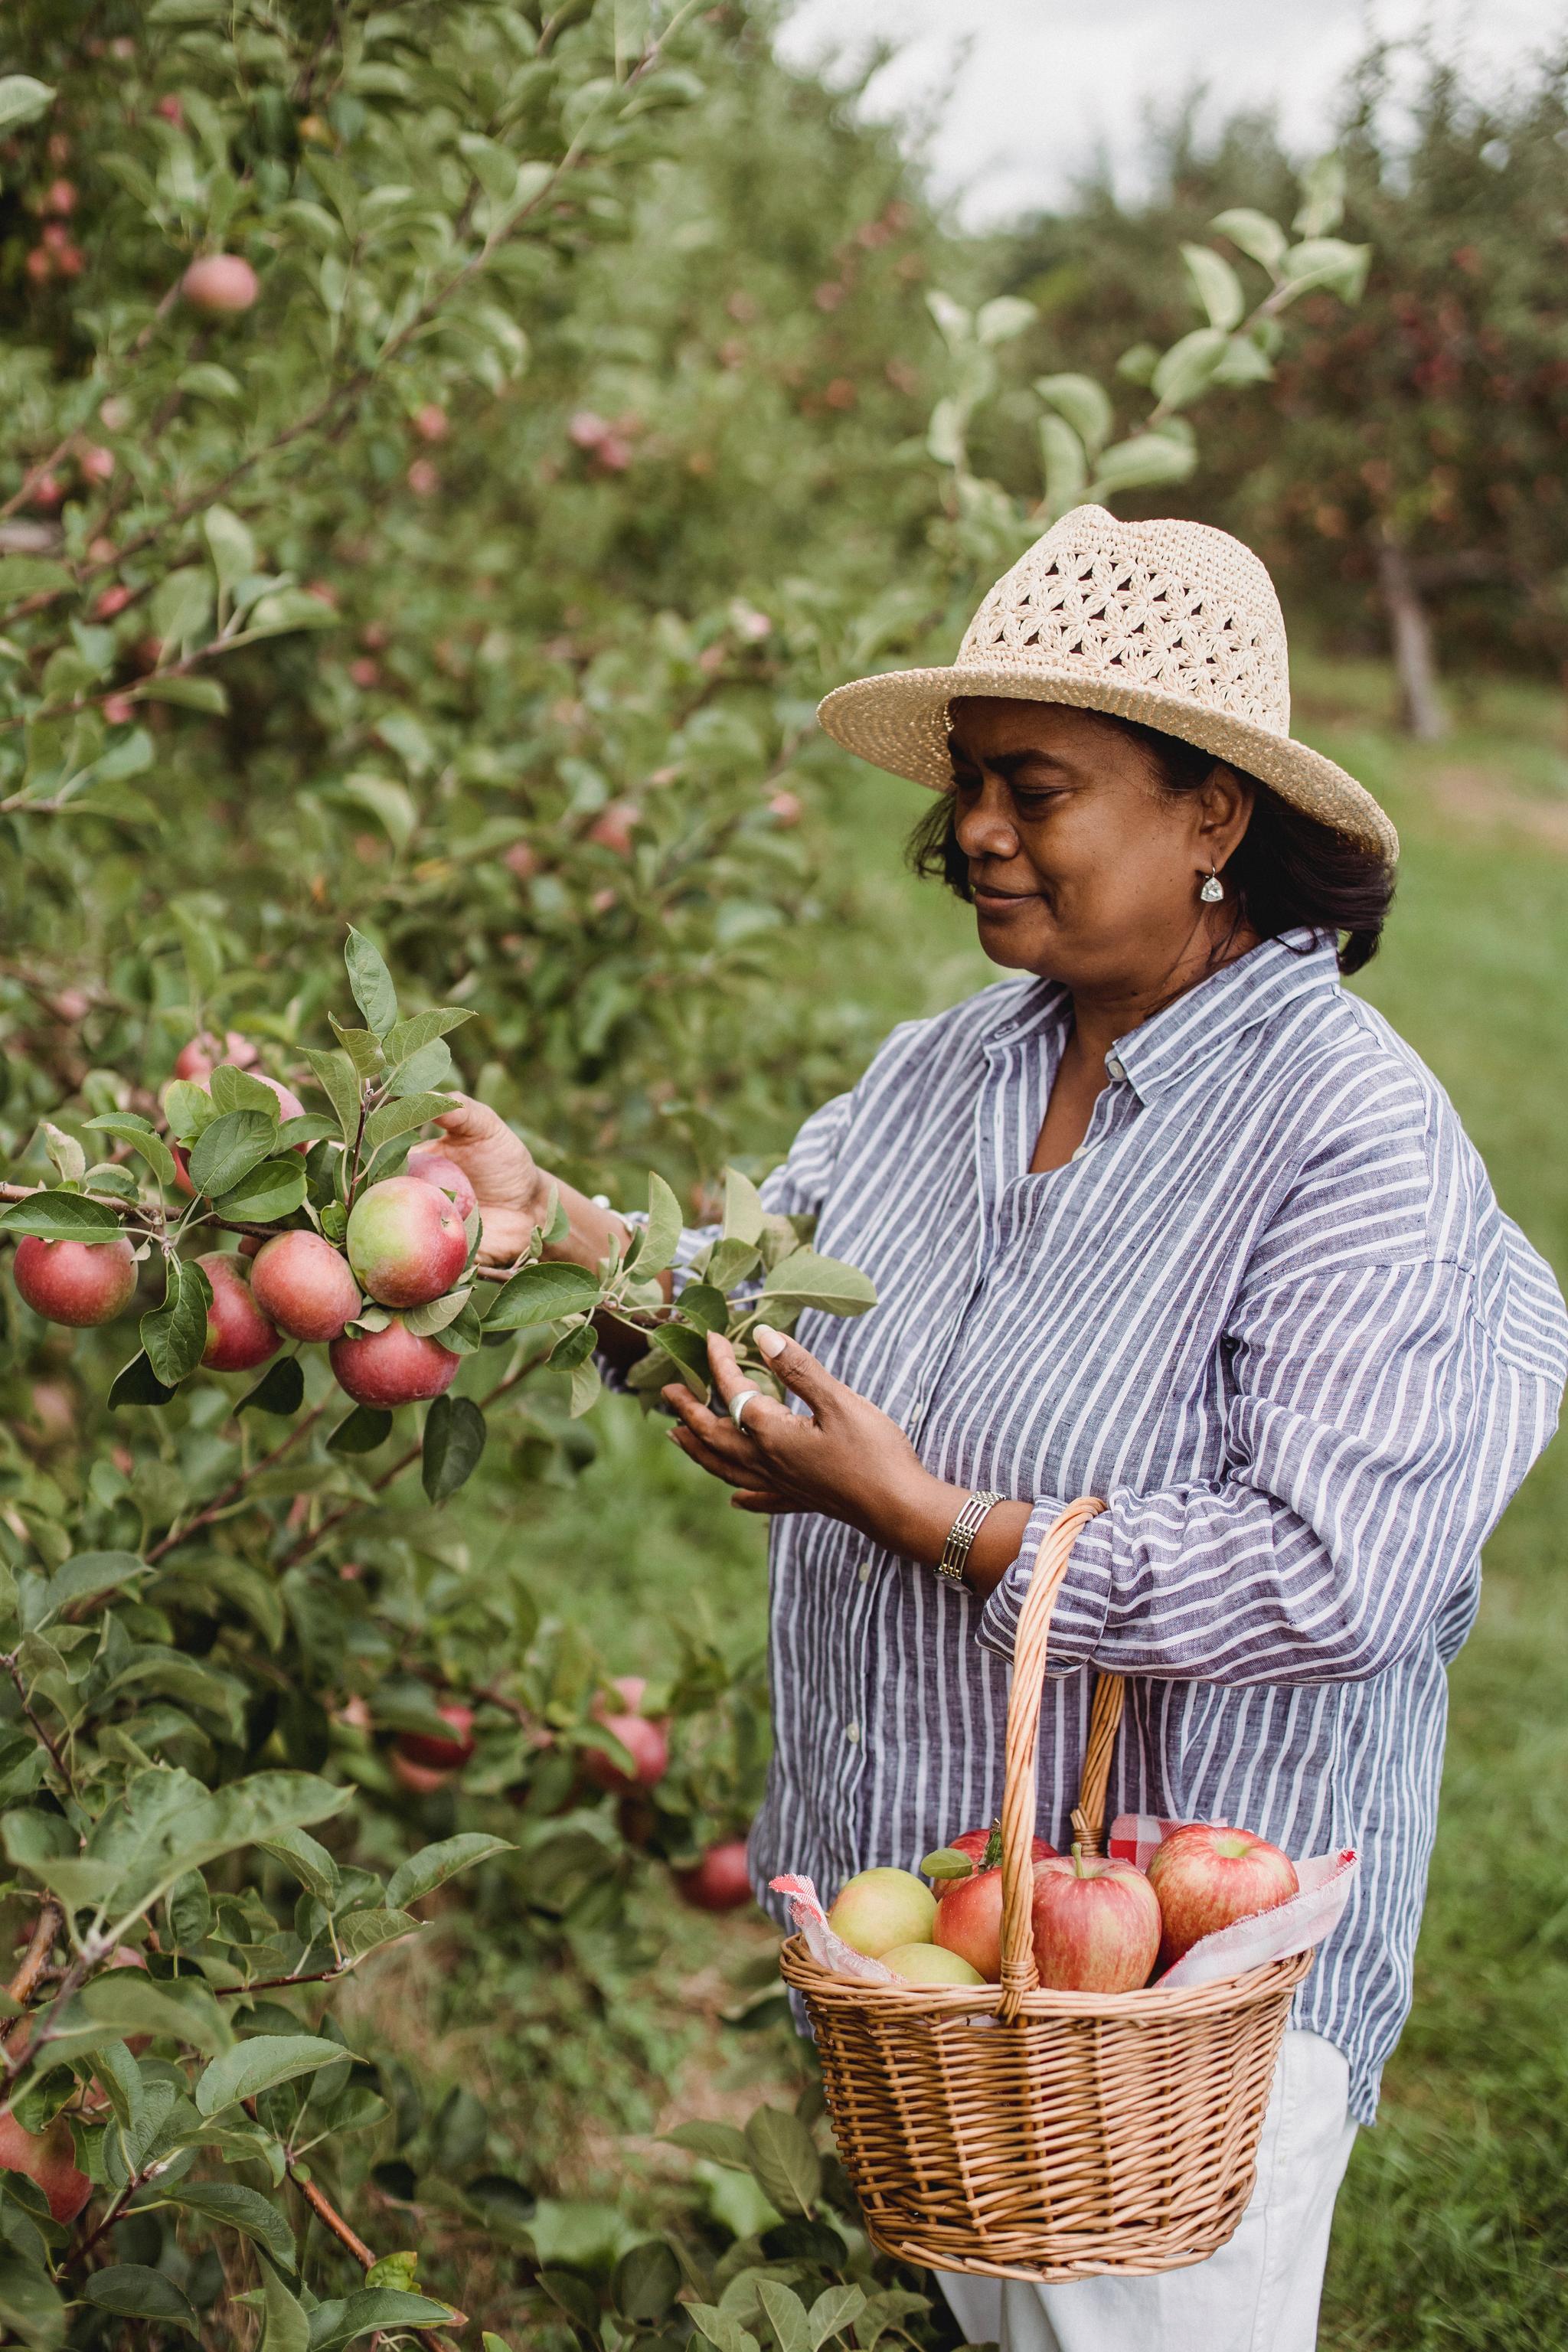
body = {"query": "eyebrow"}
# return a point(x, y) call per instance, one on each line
point(1007, 764)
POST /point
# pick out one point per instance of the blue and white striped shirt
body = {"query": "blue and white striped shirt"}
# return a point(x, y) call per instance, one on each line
point(1273, 1312)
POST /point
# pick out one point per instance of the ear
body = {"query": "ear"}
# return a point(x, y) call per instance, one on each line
point(1226, 802)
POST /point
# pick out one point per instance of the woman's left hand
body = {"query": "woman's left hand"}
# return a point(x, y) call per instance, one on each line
point(845, 1458)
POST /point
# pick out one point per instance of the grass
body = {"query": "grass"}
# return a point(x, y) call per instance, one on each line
point(1453, 2229)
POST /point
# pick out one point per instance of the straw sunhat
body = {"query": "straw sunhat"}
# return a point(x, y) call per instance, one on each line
point(1172, 624)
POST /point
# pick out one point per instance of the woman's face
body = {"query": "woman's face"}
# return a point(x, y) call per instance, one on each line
point(1083, 869)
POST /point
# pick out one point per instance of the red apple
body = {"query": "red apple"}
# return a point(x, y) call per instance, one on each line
point(785, 807)
point(304, 1284)
point(50, 2159)
point(612, 828)
point(81, 1282)
point(419, 1779)
point(1096, 1923)
point(431, 422)
point(406, 1242)
point(1206, 1876)
point(644, 1737)
point(239, 1335)
point(392, 1366)
point(719, 1881)
point(220, 285)
point(442, 1755)
point(110, 601)
point(983, 1854)
point(197, 1059)
point(433, 1167)
point(586, 428)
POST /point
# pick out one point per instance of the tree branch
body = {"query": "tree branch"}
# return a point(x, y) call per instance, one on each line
point(235, 1489)
point(8, 1660)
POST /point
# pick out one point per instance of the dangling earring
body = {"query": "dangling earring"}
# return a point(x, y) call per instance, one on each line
point(1213, 890)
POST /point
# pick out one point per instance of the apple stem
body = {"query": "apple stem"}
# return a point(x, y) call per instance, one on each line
point(1078, 1870)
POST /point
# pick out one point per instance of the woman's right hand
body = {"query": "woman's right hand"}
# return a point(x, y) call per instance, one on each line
point(512, 1190)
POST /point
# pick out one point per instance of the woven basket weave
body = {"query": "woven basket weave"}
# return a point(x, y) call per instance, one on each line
point(1018, 2133)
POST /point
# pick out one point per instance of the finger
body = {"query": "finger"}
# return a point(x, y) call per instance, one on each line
point(468, 1121)
point(798, 1370)
point(716, 1463)
point(775, 1506)
point(763, 1418)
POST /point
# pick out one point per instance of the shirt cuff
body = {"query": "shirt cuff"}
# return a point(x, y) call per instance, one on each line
point(1078, 1620)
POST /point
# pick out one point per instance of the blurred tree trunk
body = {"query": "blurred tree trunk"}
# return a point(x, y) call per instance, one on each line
point(1410, 635)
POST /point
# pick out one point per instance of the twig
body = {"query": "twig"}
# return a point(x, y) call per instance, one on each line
point(8, 1660)
point(235, 1487)
point(36, 1959)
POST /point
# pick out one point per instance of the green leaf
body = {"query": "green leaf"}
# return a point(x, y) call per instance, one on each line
point(431, 1867)
point(421, 1029)
point(188, 693)
point(787, 2315)
point(285, 2324)
point(371, 2309)
point(724, 2333)
point(1003, 317)
point(1253, 233)
point(436, 1315)
point(280, 1389)
point(236, 1142)
point(371, 982)
point(165, 1823)
point(274, 1189)
point(59, 1216)
point(23, 99)
point(359, 1932)
point(180, 608)
point(1323, 198)
point(391, 805)
point(232, 547)
point(126, 1128)
point(340, 1082)
point(715, 2143)
point(645, 2281)
point(575, 2297)
point(362, 1047)
point(661, 1234)
point(543, 1294)
point(137, 1383)
point(394, 1118)
point(1327, 261)
point(744, 1216)
point(728, 1262)
point(1063, 465)
point(1139, 464)
point(188, 1110)
point(454, 1441)
point(1180, 376)
point(575, 1349)
point(784, 2159)
point(237, 2208)
point(29, 2302)
point(128, 2002)
point(134, 2292)
point(174, 1335)
point(805, 1278)
point(364, 1429)
point(838, 2309)
point(256, 2065)
point(689, 1351)
point(705, 1305)
point(310, 1862)
point(284, 609)
point(1083, 404)
point(1216, 284)
point(84, 1576)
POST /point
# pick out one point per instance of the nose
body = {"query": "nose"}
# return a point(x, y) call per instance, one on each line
point(984, 826)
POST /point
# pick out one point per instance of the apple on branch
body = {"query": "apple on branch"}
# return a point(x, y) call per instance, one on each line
point(80, 1283)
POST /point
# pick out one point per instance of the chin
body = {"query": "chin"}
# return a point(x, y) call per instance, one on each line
point(1014, 943)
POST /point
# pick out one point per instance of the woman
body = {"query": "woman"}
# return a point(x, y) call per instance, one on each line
point(1169, 1219)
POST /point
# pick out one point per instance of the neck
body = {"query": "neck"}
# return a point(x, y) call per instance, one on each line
point(1105, 1010)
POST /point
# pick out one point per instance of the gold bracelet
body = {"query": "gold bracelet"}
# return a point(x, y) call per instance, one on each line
point(960, 1536)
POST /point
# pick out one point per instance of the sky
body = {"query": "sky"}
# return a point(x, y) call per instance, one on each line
point(1025, 92)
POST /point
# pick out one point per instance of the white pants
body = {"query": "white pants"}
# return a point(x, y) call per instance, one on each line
point(1258, 2294)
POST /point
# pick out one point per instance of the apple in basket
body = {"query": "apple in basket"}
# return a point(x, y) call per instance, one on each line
point(929, 1964)
point(1206, 1876)
point(969, 1903)
point(879, 1909)
point(1096, 1923)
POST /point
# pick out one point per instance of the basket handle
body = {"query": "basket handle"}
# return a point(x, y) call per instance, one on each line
point(1019, 1793)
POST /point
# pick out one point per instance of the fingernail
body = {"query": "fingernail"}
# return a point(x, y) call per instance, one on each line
point(770, 1342)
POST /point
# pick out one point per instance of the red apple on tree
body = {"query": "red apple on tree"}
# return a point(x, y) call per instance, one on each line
point(197, 1059)
point(645, 1738)
point(50, 2159)
point(80, 1283)
point(220, 285)
point(305, 1286)
point(419, 1779)
point(1096, 1925)
point(406, 1242)
point(442, 1755)
point(392, 1366)
point(433, 1167)
point(239, 1335)
point(720, 1881)
point(1206, 1876)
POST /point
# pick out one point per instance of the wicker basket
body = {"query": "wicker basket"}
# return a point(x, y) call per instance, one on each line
point(1024, 2134)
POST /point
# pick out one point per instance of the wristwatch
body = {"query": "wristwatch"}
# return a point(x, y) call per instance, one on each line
point(961, 1534)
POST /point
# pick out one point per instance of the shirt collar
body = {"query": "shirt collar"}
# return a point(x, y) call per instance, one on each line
point(1173, 1043)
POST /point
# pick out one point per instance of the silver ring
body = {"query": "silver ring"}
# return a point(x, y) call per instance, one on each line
point(738, 1404)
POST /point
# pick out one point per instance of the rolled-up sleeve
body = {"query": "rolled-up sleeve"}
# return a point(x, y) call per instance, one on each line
point(1376, 1431)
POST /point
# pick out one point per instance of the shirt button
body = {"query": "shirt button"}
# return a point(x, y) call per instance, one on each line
point(864, 1572)
point(852, 1734)
point(1113, 1064)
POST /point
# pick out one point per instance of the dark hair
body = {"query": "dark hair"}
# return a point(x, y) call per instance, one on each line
point(1288, 873)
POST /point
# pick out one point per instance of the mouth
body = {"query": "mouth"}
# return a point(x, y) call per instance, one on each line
point(995, 901)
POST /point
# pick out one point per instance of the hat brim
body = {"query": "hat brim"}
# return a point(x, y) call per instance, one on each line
point(900, 722)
